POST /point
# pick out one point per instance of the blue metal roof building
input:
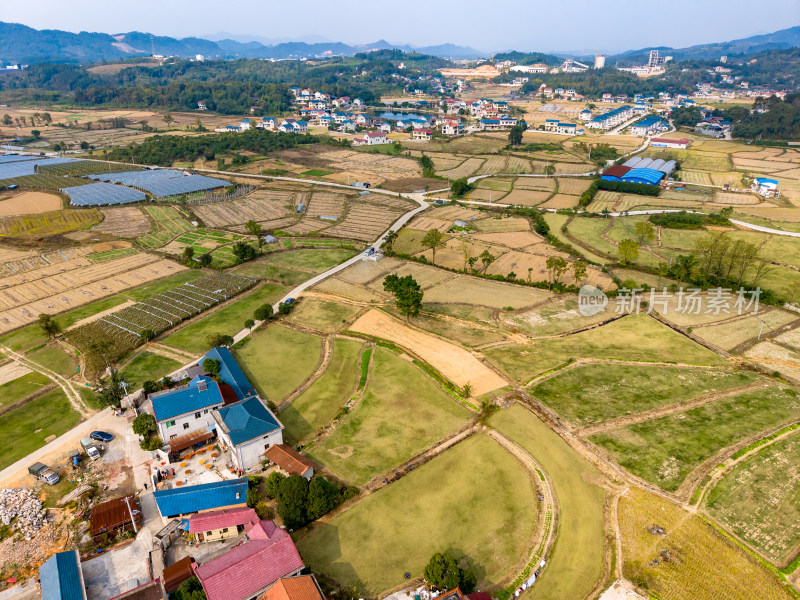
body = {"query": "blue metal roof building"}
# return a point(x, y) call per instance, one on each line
point(246, 420)
point(206, 496)
point(202, 392)
point(61, 577)
point(645, 176)
point(230, 372)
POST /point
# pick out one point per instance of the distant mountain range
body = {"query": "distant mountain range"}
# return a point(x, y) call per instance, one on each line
point(22, 44)
point(778, 40)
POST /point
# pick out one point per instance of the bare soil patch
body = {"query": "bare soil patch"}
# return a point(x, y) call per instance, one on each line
point(29, 203)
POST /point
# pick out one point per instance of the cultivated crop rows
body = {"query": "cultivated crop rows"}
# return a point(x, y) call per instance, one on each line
point(45, 181)
point(260, 206)
point(83, 167)
point(325, 204)
point(122, 331)
point(170, 223)
point(363, 222)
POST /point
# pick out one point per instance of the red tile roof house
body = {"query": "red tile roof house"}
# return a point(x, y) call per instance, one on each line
point(289, 461)
point(218, 525)
point(251, 567)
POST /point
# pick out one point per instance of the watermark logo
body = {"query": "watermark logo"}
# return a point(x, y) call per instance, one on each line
point(690, 301)
point(591, 300)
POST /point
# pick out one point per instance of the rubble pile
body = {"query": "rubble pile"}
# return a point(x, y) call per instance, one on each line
point(26, 507)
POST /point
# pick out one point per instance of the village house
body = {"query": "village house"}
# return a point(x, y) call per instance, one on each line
point(188, 500)
point(187, 408)
point(251, 567)
point(362, 119)
point(269, 123)
point(451, 127)
point(289, 461)
point(247, 428)
point(304, 587)
point(423, 135)
point(218, 525)
point(371, 138)
point(109, 518)
point(61, 578)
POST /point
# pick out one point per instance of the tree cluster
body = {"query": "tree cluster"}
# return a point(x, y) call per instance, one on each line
point(300, 502)
point(407, 293)
point(443, 571)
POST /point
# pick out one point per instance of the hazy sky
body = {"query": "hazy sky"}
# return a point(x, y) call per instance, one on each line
point(546, 25)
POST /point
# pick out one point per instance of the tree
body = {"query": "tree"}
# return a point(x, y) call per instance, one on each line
point(147, 334)
point(442, 571)
point(407, 293)
point(557, 267)
point(459, 187)
point(249, 324)
point(434, 239)
point(263, 312)
point(273, 484)
point(388, 242)
point(515, 135)
point(284, 308)
point(150, 386)
point(486, 258)
point(217, 339)
point(322, 498)
point(188, 253)
point(211, 366)
point(644, 232)
point(48, 325)
point(205, 260)
point(243, 252)
point(628, 251)
point(36, 133)
point(550, 169)
point(7, 119)
point(144, 424)
point(256, 230)
point(578, 271)
point(466, 251)
point(292, 500)
point(168, 119)
point(191, 589)
point(112, 389)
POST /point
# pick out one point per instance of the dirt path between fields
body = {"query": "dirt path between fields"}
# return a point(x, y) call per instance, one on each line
point(663, 411)
point(324, 360)
point(457, 364)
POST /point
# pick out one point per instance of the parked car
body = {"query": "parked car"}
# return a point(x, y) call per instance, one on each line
point(289, 301)
point(90, 449)
point(101, 436)
point(43, 472)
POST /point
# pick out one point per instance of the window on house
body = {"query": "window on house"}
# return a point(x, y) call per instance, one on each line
point(197, 415)
point(205, 412)
point(186, 426)
point(170, 423)
point(266, 446)
point(173, 436)
point(224, 530)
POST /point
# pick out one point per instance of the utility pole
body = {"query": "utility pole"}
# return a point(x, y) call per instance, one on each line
point(130, 512)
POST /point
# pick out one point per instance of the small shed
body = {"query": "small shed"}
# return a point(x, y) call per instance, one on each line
point(270, 239)
point(459, 223)
point(290, 461)
point(177, 573)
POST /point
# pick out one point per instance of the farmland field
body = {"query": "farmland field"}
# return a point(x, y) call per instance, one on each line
point(48, 223)
point(323, 315)
point(315, 261)
point(665, 450)
point(634, 337)
point(700, 562)
point(54, 357)
point(147, 366)
point(277, 360)
point(596, 393)
point(552, 318)
point(50, 414)
point(123, 221)
point(227, 320)
point(430, 510)
point(317, 406)
point(576, 562)
point(21, 387)
point(483, 292)
point(169, 223)
point(401, 413)
point(758, 500)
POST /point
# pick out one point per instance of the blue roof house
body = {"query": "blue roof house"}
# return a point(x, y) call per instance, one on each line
point(187, 408)
point(61, 577)
point(645, 176)
point(230, 372)
point(197, 498)
point(248, 428)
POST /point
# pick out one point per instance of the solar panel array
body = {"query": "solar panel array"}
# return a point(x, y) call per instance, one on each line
point(21, 168)
point(96, 194)
point(162, 183)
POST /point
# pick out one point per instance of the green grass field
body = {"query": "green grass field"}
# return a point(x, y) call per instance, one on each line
point(23, 386)
point(664, 451)
point(452, 502)
point(316, 173)
point(759, 500)
point(315, 407)
point(576, 562)
point(323, 315)
point(54, 358)
point(229, 320)
point(401, 414)
point(634, 337)
point(596, 393)
point(277, 360)
point(25, 428)
point(147, 366)
point(32, 335)
point(310, 259)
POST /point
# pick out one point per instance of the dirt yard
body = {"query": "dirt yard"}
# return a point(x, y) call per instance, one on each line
point(455, 363)
point(123, 221)
point(29, 203)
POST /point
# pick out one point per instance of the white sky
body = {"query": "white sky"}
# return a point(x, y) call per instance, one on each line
point(544, 25)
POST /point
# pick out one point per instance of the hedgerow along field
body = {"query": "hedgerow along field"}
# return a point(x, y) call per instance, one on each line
point(401, 413)
point(433, 508)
